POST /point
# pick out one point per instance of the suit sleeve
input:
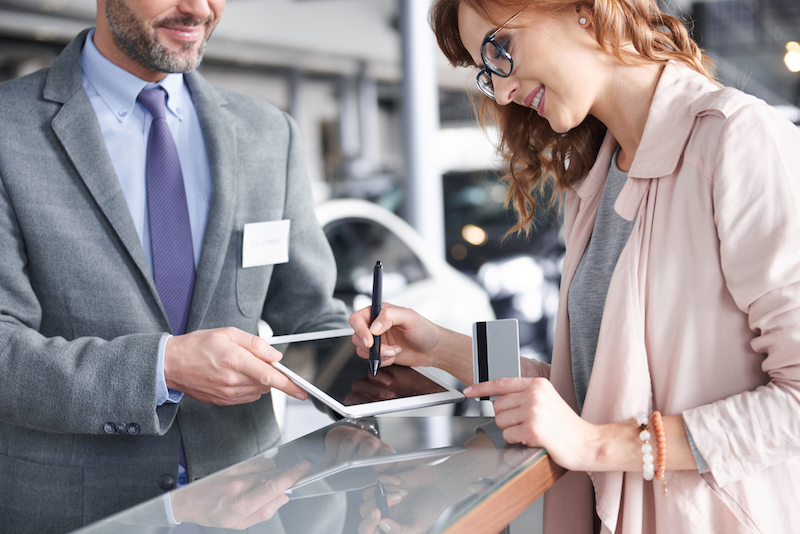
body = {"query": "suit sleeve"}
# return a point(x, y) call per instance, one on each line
point(300, 292)
point(50, 383)
point(756, 195)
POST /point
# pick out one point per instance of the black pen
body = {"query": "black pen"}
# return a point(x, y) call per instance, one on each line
point(380, 499)
point(377, 296)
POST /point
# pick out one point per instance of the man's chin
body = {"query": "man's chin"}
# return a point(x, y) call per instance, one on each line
point(177, 60)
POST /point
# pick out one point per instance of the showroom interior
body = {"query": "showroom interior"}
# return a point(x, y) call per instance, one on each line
point(400, 169)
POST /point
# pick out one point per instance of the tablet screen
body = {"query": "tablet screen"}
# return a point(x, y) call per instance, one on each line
point(330, 364)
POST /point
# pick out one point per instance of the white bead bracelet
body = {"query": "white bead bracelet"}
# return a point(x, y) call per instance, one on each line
point(648, 467)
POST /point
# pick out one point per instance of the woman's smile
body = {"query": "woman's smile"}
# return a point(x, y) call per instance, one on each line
point(534, 97)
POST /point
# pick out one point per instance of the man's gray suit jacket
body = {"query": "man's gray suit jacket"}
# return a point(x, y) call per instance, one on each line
point(80, 317)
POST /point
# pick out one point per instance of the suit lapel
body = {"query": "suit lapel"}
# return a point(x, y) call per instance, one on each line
point(220, 138)
point(90, 157)
point(76, 127)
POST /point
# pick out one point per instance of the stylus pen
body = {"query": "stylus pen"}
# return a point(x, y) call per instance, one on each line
point(380, 499)
point(377, 296)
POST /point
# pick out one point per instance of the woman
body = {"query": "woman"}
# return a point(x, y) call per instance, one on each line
point(681, 280)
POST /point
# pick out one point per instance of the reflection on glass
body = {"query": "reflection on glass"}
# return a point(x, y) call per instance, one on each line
point(325, 482)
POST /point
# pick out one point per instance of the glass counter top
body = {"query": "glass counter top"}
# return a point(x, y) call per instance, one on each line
point(432, 471)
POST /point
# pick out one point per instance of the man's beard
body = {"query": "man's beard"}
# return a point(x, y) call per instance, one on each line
point(142, 45)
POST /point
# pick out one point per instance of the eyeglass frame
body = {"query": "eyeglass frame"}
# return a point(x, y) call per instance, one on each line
point(485, 88)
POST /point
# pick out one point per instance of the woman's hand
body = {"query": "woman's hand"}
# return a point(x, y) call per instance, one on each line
point(531, 412)
point(414, 503)
point(403, 331)
point(409, 339)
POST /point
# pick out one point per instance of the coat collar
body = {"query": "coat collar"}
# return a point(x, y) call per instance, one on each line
point(680, 96)
point(64, 77)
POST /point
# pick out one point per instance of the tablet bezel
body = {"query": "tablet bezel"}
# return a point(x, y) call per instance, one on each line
point(449, 394)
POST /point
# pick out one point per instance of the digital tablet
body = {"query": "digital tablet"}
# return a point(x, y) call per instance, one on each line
point(326, 365)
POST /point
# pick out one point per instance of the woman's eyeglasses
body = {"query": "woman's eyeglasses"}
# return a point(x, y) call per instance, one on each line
point(496, 59)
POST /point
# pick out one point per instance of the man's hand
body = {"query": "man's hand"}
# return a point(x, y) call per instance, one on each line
point(224, 366)
point(345, 443)
point(238, 497)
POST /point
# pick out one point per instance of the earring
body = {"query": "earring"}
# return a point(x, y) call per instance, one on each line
point(582, 21)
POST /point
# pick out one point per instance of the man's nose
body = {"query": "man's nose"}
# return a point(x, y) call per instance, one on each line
point(197, 9)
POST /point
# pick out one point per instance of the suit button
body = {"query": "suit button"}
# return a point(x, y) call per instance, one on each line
point(109, 428)
point(133, 429)
point(166, 482)
point(122, 428)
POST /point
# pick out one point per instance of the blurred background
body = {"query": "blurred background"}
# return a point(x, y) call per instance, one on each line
point(388, 125)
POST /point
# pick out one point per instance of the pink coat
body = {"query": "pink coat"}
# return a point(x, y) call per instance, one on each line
point(702, 316)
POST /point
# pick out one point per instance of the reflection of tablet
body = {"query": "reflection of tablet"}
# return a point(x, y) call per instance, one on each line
point(326, 365)
point(346, 474)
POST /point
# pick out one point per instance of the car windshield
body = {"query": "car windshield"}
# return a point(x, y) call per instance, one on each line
point(357, 244)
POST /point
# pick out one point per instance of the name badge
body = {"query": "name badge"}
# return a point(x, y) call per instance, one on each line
point(265, 243)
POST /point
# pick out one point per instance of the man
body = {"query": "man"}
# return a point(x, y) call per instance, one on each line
point(100, 406)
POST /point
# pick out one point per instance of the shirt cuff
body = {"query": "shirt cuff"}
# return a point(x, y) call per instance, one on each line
point(702, 466)
point(163, 393)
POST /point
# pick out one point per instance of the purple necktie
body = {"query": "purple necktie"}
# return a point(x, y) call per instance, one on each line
point(170, 232)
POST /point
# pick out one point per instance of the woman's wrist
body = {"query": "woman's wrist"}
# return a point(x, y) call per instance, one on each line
point(618, 446)
point(614, 447)
point(453, 353)
point(531, 368)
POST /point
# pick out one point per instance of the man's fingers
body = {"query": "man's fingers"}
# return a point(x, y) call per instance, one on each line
point(255, 345)
point(254, 362)
point(283, 383)
point(266, 375)
point(281, 482)
point(255, 465)
point(269, 496)
point(251, 394)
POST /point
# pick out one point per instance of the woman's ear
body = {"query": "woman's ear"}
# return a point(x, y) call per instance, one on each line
point(584, 16)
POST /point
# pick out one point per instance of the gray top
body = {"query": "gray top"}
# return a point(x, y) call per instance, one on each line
point(587, 292)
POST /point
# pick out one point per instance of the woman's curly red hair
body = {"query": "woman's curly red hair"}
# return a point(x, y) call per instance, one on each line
point(533, 152)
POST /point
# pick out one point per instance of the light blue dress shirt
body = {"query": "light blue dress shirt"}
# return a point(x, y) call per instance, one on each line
point(125, 125)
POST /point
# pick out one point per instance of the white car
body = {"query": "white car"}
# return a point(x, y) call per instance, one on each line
point(414, 276)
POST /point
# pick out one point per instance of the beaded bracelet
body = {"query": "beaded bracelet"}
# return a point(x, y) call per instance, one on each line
point(661, 440)
point(648, 469)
